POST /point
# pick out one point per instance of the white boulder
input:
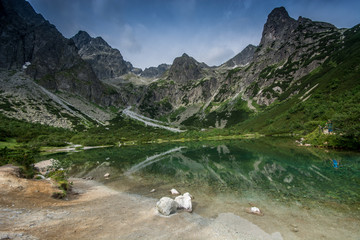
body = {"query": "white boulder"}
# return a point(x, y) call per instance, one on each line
point(255, 210)
point(184, 201)
point(166, 206)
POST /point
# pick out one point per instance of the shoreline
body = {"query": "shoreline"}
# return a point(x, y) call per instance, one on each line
point(96, 211)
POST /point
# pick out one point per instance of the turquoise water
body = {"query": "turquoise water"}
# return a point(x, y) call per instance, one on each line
point(269, 168)
point(292, 185)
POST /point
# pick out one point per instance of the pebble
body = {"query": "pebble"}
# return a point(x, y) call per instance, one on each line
point(152, 190)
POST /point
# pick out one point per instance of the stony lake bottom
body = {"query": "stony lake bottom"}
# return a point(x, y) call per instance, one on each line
point(304, 193)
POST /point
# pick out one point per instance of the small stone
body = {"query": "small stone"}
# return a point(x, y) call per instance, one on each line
point(152, 190)
point(295, 229)
point(107, 175)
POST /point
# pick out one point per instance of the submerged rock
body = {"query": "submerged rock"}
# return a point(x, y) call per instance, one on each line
point(166, 206)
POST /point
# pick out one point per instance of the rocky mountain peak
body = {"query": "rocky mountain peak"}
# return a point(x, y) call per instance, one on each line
point(278, 25)
point(185, 68)
point(278, 14)
point(81, 38)
point(185, 55)
point(107, 62)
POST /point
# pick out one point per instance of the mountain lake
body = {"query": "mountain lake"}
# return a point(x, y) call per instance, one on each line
point(304, 193)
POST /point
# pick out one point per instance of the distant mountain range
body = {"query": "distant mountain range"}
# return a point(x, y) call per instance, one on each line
point(262, 83)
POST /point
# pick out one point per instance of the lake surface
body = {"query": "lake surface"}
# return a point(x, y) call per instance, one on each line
point(314, 191)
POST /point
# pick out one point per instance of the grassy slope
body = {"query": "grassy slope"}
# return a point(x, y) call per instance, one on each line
point(336, 97)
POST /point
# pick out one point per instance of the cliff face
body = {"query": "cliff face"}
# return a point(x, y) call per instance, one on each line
point(51, 60)
point(28, 37)
point(106, 61)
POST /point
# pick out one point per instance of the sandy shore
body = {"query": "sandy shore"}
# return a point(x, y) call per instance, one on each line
point(94, 211)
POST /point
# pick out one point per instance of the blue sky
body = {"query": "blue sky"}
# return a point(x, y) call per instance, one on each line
point(151, 32)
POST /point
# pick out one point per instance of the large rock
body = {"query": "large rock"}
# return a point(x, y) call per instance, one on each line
point(184, 201)
point(166, 206)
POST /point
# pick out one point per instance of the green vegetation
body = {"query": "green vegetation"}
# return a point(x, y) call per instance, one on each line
point(31, 134)
point(61, 179)
point(23, 157)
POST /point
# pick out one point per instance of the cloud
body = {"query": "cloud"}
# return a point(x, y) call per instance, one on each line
point(217, 55)
point(128, 41)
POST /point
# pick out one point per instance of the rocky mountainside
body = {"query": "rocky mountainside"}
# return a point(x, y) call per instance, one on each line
point(289, 50)
point(274, 73)
point(106, 61)
point(185, 83)
point(49, 58)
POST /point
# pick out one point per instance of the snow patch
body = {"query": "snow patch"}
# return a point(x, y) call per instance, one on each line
point(25, 66)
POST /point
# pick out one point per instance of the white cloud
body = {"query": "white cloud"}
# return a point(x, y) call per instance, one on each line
point(217, 55)
point(127, 40)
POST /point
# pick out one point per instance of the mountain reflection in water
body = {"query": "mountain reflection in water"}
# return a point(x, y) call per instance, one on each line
point(242, 167)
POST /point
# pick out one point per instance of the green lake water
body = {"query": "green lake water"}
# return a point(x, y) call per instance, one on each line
point(290, 184)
